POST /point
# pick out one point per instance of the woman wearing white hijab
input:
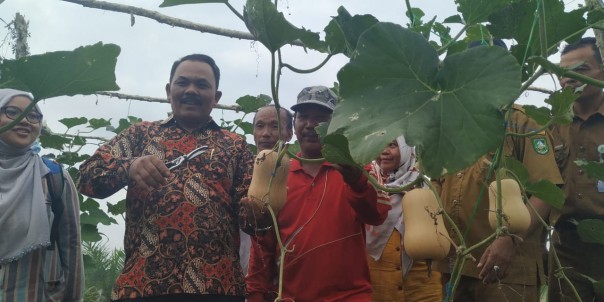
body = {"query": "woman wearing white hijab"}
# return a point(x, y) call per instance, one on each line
point(28, 270)
point(394, 276)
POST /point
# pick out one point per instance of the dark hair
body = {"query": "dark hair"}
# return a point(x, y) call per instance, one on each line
point(584, 42)
point(288, 122)
point(200, 58)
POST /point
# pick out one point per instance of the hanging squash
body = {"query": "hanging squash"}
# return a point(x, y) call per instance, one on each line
point(260, 194)
point(516, 216)
point(426, 236)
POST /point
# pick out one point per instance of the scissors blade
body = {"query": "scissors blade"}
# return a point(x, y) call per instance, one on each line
point(196, 152)
point(177, 162)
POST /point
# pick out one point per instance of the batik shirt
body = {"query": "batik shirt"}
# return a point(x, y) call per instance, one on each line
point(184, 236)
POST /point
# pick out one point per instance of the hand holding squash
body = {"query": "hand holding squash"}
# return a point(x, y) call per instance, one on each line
point(254, 218)
point(268, 188)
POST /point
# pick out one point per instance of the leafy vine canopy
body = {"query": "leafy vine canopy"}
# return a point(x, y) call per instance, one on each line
point(451, 109)
point(446, 99)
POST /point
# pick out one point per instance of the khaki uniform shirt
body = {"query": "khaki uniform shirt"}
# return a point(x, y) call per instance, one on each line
point(580, 140)
point(461, 191)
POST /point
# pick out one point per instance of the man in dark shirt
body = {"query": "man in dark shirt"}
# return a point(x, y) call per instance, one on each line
point(582, 139)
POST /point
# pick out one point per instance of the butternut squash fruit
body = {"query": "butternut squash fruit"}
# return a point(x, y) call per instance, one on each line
point(426, 236)
point(254, 216)
point(259, 190)
point(516, 216)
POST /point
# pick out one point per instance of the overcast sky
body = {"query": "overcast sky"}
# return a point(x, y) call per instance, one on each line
point(148, 50)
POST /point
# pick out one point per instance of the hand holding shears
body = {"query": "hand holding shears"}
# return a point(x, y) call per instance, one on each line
point(150, 172)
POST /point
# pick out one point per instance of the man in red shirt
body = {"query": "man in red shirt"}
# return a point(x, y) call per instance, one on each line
point(322, 223)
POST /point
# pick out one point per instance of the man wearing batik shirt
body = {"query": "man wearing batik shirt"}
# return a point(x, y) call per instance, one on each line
point(182, 235)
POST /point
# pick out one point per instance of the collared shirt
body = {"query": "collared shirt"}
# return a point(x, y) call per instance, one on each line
point(50, 275)
point(580, 140)
point(461, 192)
point(184, 236)
point(322, 223)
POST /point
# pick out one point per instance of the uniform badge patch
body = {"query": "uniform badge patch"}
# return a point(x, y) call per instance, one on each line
point(540, 145)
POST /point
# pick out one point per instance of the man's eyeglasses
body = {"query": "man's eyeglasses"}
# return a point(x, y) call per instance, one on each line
point(13, 112)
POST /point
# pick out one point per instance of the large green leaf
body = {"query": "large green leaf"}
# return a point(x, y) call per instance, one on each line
point(93, 215)
point(119, 208)
point(591, 230)
point(561, 112)
point(71, 158)
point(343, 31)
point(270, 27)
point(251, 104)
point(517, 22)
point(53, 141)
point(450, 111)
point(90, 233)
point(476, 11)
point(548, 192)
point(516, 168)
point(73, 121)
point(124, 124)
point(335, 150)
point(247, 127)
point(85, 70)
point(97, 123)
point(168, 3)
point(596, 17)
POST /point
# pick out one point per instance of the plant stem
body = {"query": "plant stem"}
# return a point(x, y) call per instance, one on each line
point(542, 28)
point(294, 69)
point(305, 160)
point(455, 277)
point(444, 47)
point(234, 10)
point(560, 269)
point(539, 72)
point(411, 15)
point(479, 244)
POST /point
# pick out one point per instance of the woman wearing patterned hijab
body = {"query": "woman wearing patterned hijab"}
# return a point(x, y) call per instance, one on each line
point(394, 276)
point(29, 271)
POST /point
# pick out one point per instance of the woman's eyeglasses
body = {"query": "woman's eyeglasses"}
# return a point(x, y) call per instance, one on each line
point(13, 112)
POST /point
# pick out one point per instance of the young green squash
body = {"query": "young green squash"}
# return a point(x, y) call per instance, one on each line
point(516, 216)
point(426, 236)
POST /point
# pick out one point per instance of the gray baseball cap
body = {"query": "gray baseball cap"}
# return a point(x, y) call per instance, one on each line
point(319, 95)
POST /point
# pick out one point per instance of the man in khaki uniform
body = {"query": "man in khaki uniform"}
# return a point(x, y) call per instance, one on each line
point(505, 269)
point(582, 139)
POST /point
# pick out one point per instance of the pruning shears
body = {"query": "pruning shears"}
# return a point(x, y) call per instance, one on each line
point(177, 162)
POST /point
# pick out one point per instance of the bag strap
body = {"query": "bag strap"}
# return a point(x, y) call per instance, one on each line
point(55, 183)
